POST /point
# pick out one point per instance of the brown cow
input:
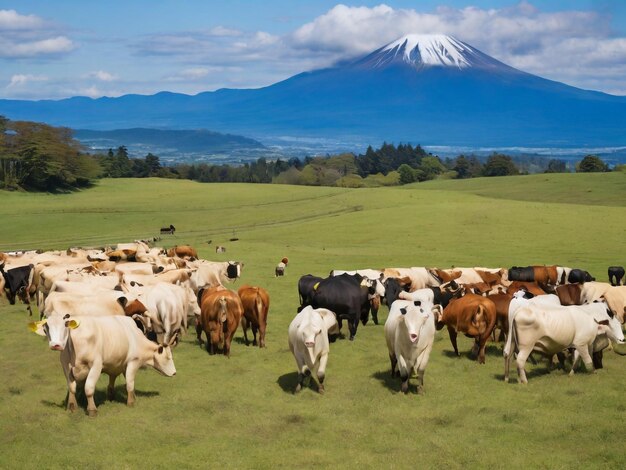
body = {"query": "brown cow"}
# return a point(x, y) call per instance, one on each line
point(445, 276)
point(502, 302)
point(569, 294)
point(220, 315)
point(473, 315)
point(183, 251)
point(491, 278)
point(531, 287)
point(256, 303)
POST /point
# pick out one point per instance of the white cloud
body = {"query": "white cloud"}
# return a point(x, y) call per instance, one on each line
point(102, 76)
point(19, 80)
point(28, 36)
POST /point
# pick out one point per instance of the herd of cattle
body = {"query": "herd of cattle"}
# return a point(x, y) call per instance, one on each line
point(116, 310)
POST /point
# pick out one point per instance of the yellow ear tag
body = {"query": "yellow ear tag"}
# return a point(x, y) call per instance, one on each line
point(72, 324)
point(34, 325)
point(317, 284)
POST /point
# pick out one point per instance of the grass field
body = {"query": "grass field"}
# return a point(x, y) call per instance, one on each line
point(241, 413)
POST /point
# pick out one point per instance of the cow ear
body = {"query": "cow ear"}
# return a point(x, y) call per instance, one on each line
point(72, 324)
point(403, 311)
point(417, 303)
point(160, 350)
point(528, 295)
point(37, 327)
point(122, 301)
point(454, 285)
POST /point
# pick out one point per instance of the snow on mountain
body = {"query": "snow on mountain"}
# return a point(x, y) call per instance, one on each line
point(430, 50)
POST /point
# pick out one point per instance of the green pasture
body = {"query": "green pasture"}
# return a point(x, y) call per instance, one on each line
point(241, 413)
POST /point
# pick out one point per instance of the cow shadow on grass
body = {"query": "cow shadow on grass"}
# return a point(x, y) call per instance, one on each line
point(120, 395)
point(385, 378)
point(494, 350)
point(288, 382)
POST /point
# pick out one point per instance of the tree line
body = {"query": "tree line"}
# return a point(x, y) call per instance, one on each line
point(39, 157)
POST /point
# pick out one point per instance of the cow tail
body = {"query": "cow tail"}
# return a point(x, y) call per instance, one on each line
point(259, 306)
point(224, 312)
point(508, 347)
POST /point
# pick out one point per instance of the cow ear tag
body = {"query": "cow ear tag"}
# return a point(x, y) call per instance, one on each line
point(73, 324)
point(317, 284)
point(34, 325)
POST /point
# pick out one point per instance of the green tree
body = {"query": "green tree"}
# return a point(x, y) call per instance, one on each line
point(500, 165)
point(407, 174)
point(556, 166)
point(591, 164)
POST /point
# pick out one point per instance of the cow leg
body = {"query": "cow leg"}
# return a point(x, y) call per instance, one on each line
point(300, 382)
point(353, 325)
point(597, 359)
point(199, 333)
point(90, 388)
point(405, 374)
point(244, 327)
point(482, 344)
point(72, 404)
point(131, 372)
point(321, 373)
point(111, 387)
point(254, 332)
point(586, 358)
point(262, 335)
point(452, 333)
point(507, 366)
point(394, 363)
point(522, 355)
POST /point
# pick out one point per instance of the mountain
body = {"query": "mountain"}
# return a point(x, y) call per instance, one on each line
point(432, 90)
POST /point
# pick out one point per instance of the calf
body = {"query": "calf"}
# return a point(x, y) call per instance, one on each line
point(308, 342)
point(92, 345)
point(473, 315)
point(256, 304)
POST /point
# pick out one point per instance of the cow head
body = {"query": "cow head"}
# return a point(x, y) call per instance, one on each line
point(56, 328)
point(163, 361)
point(414, 316)
point(611, 327)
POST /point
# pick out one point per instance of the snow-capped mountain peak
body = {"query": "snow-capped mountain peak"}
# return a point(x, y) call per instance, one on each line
point(430, 50)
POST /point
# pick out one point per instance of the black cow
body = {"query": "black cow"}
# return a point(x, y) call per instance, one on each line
point(305, 289)
point(616, 273)
point(580, 276)
point(524, 274)
point(17, 283)
point(393, 289)
point(171, 229)
point(345, 295)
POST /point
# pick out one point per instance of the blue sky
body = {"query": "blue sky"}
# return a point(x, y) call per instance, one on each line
point(56, 49)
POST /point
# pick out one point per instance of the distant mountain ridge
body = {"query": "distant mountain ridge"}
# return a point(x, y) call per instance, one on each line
point(431, 90)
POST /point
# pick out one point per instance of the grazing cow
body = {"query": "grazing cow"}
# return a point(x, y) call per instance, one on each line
point(420, 278)
point(256, 304)
point(171, 229)
point(221, 313)
point(616, 300)
point(592, 291)
point(551, 329)
point(220, 249)
point(410, 334)
point(280, 269)
point(183, 251)
point(580, 276)
point(216, 273)
point(308, 342)
point(92, 345)
point(531, 287)
point(569, 294)
point(616, 273)
point(523, 274)
point(164, 309)
point(17, 282)
point(347, 296)
point(473, 315)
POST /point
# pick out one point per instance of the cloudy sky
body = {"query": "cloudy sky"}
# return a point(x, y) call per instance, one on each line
point(52, 50)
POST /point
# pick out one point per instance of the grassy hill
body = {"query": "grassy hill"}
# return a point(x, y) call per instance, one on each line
point(240, 412)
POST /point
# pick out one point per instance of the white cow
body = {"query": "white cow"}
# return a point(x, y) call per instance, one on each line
point(410, 333)
point(420, 277)
point(92, 345)
point(308, 342)
point(90, 302)
point(213, 273)
point(551, 329)
point(592, 291)
point(616, 300)
point(165, 308)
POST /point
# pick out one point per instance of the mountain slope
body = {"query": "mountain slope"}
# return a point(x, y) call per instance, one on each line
point(431, 90)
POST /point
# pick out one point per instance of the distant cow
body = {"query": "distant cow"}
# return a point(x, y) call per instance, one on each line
point(220, 249)
point(17, 282)
point(183, 251)
point(579, 275)
point(616, 273)
point(171, 229)
point(256, 304)
point(280, 267)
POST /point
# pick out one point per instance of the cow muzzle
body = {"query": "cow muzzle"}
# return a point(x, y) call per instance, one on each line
point(56, 347)
point(413, 337)
point(309, 344)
